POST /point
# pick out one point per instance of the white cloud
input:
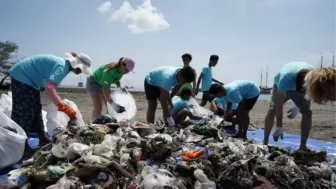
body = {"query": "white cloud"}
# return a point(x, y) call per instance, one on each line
point(142, 19)
point(104, 7)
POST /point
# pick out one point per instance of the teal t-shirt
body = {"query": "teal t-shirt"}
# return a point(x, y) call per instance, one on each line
point(178, 105)
point(285, 79)
point(207, 78)
point(163, 77)
point(240, 90)
point(36, 70)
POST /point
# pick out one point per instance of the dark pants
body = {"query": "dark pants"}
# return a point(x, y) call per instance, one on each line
point(26, 108)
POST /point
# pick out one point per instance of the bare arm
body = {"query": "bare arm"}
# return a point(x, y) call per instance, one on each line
point(191, 116)
point(194, 82)
point(106, 93)
point(228, 108)
point(280, 100)
point(164, 100)
point(213, 107)
point(198, 83)
point(214, 80)
point(174, 91)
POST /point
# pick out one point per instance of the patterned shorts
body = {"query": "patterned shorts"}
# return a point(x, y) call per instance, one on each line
point(27, 108)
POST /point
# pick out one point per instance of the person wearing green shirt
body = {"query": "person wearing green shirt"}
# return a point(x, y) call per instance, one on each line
point(186, 59)
point(99, 83)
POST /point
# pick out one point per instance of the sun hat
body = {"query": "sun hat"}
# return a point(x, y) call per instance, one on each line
point(81, 61)
point(129, 63)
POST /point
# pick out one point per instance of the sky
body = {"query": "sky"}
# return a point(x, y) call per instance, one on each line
point(247, 35)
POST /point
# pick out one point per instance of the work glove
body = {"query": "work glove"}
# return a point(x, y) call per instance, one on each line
point(119, 109)
point(170, 121)
point(278, 133)
point(193, 154)
point(293, 112)
point(70, 112)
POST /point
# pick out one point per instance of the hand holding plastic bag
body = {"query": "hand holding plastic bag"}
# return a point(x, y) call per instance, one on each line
point(293, 112)
point(170, 121)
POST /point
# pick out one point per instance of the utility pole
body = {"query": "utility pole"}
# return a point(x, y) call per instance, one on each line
point(321, 60)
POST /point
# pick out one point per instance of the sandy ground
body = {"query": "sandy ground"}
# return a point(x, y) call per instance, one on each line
point(324, 119)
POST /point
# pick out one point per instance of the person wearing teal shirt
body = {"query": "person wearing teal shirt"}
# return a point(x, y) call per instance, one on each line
point(37, 73)
point(159, 82)
point(289, 84)
point(207, 79)
point(186, 58)
point(218, 106)
point(181, 109)
point(243, 92)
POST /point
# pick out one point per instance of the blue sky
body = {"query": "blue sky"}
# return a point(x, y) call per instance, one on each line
point(246, 34)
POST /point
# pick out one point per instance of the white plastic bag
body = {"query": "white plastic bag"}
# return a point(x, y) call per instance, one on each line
point(6, 104)
point(11, 144)
point(123, 99)
point(198, 110)
point(58, 121)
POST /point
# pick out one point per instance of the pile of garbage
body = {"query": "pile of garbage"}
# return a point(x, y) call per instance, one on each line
point(107, 154)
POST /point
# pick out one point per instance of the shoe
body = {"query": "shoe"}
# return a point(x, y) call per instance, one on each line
point(278, 133)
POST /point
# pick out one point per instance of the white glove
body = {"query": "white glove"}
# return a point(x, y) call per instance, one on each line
point(293, 112)
point(170, 121)
point(278, 133)
point(123, 88)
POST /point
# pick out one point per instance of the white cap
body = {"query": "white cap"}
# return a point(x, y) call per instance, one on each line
point(81, 61)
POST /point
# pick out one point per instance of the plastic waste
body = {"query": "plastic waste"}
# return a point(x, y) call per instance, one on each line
point(126, 100)
point(11, 143)
point(106, 148)
point(17, 177)
point(76, 149)
point(6, 104)
point(198, 110)
point(158, 179)
point(58, 121)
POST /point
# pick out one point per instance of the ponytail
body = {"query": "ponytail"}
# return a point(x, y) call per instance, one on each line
point(113, 65)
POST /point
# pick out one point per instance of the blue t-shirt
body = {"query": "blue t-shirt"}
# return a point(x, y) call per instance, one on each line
point(222, 102)
point(240, 90)
point(178, 105)
point(207, 78)
point(163, 77)
point(36, 70)
point(285, 79)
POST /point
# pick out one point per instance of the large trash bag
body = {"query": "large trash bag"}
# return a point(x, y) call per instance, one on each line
point(12, 141)
point(126, 100)
point(58, 121)
point(198, 110)
point(6, 104)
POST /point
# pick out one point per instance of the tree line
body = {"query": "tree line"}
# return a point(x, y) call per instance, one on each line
point(8, 57)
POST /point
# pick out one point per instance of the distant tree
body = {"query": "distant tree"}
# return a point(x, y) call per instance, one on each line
point(8, 57)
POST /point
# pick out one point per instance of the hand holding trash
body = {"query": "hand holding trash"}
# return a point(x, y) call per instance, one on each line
point(67, 110)
point(119, 109)
point(293, 112)
point(278, 133)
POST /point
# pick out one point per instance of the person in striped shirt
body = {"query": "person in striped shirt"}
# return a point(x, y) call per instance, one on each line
point(37, 73)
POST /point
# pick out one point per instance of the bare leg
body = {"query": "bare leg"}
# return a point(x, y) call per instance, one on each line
point(306, 124)
point(181, 116)
point(97, 104)
point(152, 104)
point(269, 122)
point(104, 102)
point(245, 123)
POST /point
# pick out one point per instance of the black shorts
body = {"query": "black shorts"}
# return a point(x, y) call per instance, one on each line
point(220, 111)
point(207, 97)
point(249, 103)
point(152, 92)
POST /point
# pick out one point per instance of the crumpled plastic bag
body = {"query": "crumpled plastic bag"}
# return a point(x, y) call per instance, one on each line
point(127, 101)
point(11, 143)
point(198, 110)
point(107, 147)
point(76, 149)
point(67, 183)
point(6, 104)
point(57, 121)
point(157, 178)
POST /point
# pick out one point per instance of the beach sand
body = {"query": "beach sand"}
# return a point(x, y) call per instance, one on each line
point(324, 121)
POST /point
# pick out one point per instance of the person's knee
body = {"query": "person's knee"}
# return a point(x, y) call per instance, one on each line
point(152, 105)
point(271, 110)
point(306, 112)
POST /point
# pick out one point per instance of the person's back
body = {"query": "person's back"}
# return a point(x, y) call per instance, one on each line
point(241, 90)
point(163, 77)
point(178, 104)
point(36, 70)
point(285, 79)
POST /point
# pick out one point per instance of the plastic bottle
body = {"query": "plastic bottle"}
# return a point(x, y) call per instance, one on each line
point(33, 140)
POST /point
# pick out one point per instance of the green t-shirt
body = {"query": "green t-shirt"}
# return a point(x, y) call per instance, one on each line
point(185, 86)
point(106, 79)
